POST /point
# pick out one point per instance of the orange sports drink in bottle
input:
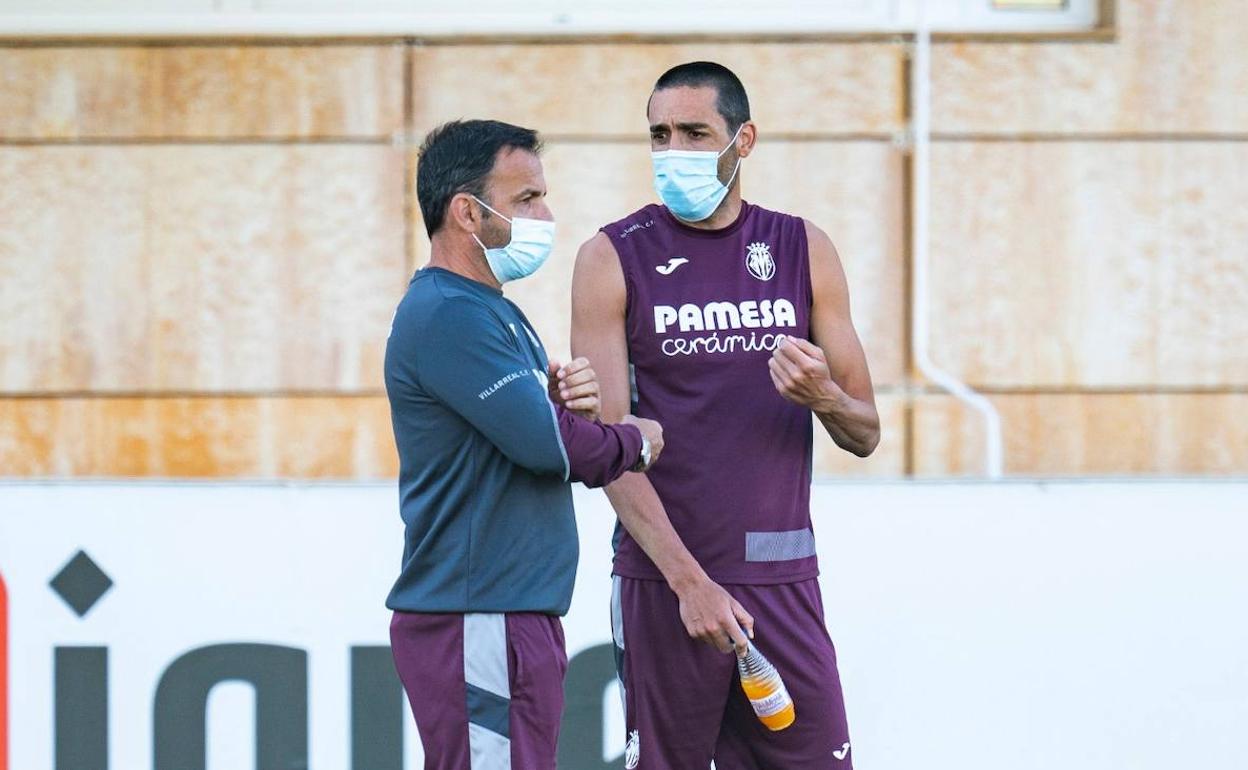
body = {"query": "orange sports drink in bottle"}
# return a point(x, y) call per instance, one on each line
point(765, 689)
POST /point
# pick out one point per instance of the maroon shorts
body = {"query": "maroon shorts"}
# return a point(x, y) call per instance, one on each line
point(683, 702)
point(486, 689)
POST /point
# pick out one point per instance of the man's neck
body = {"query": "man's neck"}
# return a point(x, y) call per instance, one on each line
point(463, 259)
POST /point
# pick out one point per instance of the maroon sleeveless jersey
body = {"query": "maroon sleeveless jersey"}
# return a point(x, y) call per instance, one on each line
point(705, 310)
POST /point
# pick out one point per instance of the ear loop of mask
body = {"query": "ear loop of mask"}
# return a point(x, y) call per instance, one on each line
point(732, 142)
point(498, 213)
point(491, 208)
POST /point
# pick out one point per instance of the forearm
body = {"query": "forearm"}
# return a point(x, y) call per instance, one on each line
point(853, 424)
point(642, 514)
point(597, 454)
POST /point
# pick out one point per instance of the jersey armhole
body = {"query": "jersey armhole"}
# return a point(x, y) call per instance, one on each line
point(625, 271)
point(807, 281)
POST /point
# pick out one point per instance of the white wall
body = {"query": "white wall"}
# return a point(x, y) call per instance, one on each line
point(1083, 625)
point(505, 17)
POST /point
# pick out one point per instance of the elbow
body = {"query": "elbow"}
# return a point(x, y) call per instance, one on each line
point(867, 446)
point(561, 470)
point(546, 466)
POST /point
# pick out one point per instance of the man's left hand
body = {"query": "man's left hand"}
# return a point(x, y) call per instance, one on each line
point(575, 387)
point(799, 370)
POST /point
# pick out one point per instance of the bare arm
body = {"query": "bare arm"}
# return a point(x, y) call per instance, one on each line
point(598, 334)
point(830, 376)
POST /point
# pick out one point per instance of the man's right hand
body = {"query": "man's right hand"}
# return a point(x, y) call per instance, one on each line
point(711, 615)
point(653, 433)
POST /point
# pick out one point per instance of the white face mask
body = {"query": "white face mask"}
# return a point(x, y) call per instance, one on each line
point(687, 181)
point(528, 249)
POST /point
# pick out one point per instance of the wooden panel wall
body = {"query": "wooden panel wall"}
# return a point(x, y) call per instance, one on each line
point(201, 246)
point(1089, 260)
point(200, 251)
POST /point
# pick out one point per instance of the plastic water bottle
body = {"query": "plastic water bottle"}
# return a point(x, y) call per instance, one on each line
point(765, 689)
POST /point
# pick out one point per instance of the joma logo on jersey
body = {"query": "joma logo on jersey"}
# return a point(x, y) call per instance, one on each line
point(717, 316)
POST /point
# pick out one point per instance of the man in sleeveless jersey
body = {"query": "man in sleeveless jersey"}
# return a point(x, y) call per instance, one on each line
point(730, 325)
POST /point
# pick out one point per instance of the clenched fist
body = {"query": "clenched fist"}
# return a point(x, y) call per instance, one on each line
point(800, 373)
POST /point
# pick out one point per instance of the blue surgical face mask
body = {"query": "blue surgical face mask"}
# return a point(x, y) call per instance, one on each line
point(530, 245)
point(687, 181)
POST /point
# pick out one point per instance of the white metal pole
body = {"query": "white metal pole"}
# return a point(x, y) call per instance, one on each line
point(921, 128)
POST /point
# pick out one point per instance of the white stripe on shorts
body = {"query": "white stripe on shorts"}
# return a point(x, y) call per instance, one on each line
point(617, 613)
point(617, 635)
point(485, 666)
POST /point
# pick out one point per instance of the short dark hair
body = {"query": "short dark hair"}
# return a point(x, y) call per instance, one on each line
point(731, 102)
point(457, 157)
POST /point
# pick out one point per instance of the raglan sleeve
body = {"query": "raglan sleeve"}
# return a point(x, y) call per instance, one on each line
point(474, 364)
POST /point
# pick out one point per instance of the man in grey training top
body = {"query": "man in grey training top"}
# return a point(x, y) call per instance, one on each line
point(489, 434)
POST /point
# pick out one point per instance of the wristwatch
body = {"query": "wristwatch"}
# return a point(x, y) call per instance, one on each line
point(644, 460)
